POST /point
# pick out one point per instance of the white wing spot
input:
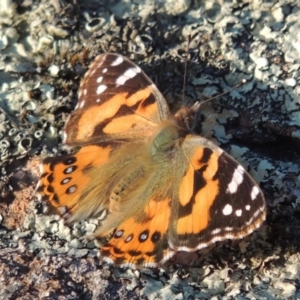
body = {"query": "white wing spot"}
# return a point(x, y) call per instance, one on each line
point(72, 189)
point(69, 170)
point(216, 231)
point(238, 212)
point(247, 207)
point(255, 215)
point(229, 236)
point(143, 236)
point(128, 239)
point(254, 192)
point(98, 100)
point(228, 228)
point(227, 210)
point(236, 180)
point(99, 79)
point(64, 136)
point(85, 92)
point(251, 230)
point(81, 104)
point(41, 167)
point(117, 61)
point(129, 74)
point(216, 239)
point(101, 88)
point(119, 233)
point(250, 221)
point(66, 180)
point(104, 70)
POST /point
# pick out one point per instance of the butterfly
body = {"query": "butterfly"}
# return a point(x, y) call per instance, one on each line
point(156, 186)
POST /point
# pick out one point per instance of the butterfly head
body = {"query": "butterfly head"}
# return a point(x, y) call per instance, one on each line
point(188, 117)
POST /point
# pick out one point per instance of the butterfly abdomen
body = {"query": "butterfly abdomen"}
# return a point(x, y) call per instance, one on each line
point(125, 186)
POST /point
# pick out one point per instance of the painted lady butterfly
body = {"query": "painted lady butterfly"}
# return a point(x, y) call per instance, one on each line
point(157, 187)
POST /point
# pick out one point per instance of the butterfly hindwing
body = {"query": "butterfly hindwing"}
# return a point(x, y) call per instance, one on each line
point(64, 179)
point(217, 199)
point(141, 239)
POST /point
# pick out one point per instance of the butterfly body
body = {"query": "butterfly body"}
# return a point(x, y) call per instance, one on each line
point(156, 186)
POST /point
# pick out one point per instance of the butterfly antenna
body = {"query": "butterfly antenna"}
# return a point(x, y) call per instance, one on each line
point(195, 108)
point(185, 67)
point(243, 81)
point(143, 117)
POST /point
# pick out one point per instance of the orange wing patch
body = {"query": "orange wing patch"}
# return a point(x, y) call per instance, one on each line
point(197, 192)
point(64, 178)
point(141, 239)
point(124, 112)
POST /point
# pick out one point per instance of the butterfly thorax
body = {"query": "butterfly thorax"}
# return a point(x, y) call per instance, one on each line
point(169, 135)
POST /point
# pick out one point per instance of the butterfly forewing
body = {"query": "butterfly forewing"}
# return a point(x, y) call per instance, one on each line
point(116, 100)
